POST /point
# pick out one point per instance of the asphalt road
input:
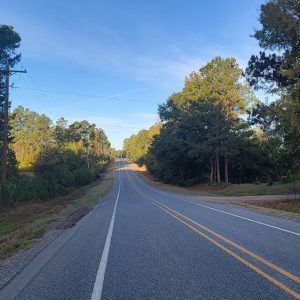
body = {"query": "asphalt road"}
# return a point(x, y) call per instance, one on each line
point(143, 243)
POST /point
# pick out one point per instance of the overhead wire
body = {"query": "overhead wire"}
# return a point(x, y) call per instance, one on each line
point(100, 98)
point(44, 99)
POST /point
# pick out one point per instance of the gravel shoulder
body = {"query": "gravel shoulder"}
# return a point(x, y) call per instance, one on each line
point(49, 221)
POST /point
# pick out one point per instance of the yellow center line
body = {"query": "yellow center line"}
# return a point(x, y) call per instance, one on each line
point(167, 210)
point(250, 253)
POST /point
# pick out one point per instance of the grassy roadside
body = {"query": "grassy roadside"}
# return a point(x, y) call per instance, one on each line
point(245, 189)
point(19, 227)
point(289, 206)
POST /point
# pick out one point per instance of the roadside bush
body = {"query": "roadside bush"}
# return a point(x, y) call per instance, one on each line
point(98, 168)
point(55, 173)
point(7, 194)
point(17, 190)
point(285, 179)
point(270, 180)
point(82, 176)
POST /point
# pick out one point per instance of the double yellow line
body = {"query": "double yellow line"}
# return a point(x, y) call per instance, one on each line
point(187, 222)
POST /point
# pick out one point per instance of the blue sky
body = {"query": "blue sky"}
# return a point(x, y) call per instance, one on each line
point(113, 62)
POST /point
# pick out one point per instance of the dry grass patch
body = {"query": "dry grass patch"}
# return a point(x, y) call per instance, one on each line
point(245, 189)
point(288, 205)
point(20, 226)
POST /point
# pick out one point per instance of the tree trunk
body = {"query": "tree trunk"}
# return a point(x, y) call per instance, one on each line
point(211, 176)
point(215, 172)
point(87, 157)
point(226, 144)
point(5, 127)
point(226, 168)
point(218, 167)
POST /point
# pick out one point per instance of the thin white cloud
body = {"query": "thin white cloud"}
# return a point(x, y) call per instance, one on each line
point(166, 70)
point(147, 116)
point(94, 98)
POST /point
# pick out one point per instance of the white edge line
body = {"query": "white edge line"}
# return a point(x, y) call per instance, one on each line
point(215, 209)
point(244, 218)
point(98, 286)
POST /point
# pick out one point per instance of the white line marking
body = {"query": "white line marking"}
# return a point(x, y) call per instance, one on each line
point(98, 286)
point(215, 209)
point(244, 218)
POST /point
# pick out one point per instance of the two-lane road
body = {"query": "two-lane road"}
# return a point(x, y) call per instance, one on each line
point(143, 243)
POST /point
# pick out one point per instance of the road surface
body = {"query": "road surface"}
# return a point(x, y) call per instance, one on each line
point(143, 243)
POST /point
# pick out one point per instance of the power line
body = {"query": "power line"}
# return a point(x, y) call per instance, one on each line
point(101, 98)
point(41, 97)
point(112, 125)
point(44, 96)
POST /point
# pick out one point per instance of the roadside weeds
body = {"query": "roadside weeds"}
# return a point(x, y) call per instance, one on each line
point(287, 208)
point(22, 226)
point(277, 198)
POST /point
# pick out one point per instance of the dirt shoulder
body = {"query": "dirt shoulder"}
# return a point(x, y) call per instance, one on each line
point(22, 226)
point(277, 197)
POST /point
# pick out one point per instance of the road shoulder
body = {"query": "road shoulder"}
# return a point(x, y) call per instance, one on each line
point(59, 220)
point(281, 205)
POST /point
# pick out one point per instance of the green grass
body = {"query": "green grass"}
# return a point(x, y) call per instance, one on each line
point(247, 189)
point(244, 189)
point(21, 226)
point(6, 228)
point(279, 206)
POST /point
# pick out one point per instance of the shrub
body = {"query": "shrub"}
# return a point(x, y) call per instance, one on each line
point(99, 168)
point(55, 173)
point(82, 176)
point(7, 193)
point(285, 179)
point(270, 180)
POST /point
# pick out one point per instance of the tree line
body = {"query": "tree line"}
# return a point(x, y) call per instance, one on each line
point(215, 130)
point(136, 147)
point(45, 159)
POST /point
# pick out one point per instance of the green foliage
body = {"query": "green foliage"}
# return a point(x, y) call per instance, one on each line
point(219, 82)
point(136, 147)
point(52, 177)
point(60, 132)
point(277, 69)
point(82, 176)
point(34, 134)
point(200, 125)
point(31, 133)
point(9, 44)
point(184, 152)
point(204, 135)
point(279, 33)
point(59, 157)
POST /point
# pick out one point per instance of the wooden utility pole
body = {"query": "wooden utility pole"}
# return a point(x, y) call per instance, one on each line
point(5, 126)
point(4, 163)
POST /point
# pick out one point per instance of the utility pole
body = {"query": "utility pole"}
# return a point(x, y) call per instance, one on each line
point(4, 164)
